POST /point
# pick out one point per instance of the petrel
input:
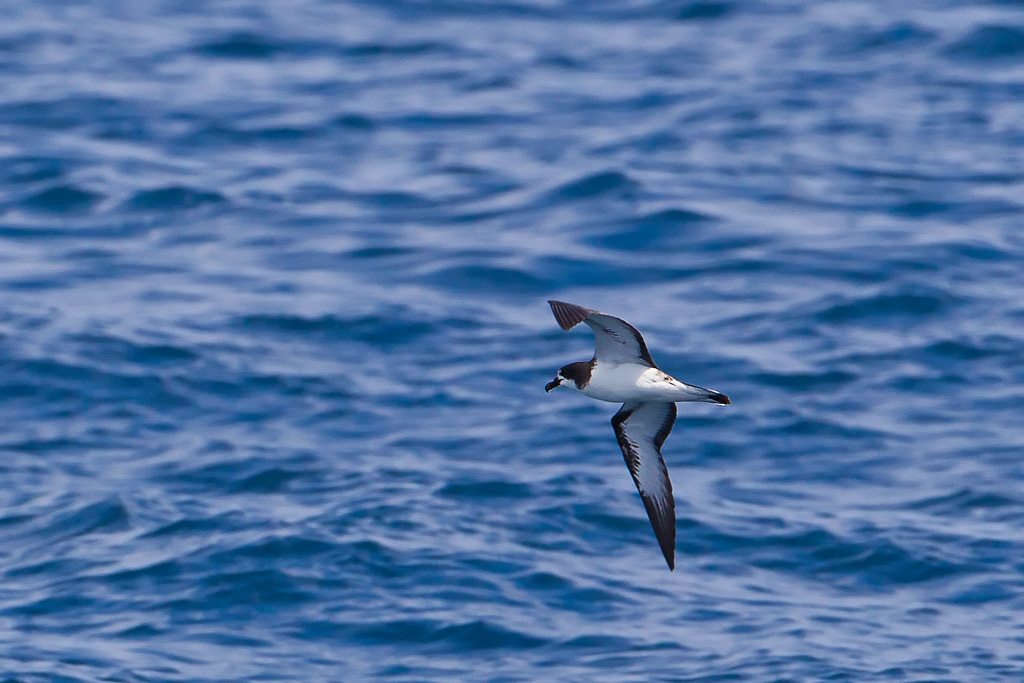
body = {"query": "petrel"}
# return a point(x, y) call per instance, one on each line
point(622, 371)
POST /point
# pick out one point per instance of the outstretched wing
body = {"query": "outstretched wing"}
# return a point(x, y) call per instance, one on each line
point(616, 341)
point(641, 429)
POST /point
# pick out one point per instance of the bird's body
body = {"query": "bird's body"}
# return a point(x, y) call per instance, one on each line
point(622, 371)
point(624, 382)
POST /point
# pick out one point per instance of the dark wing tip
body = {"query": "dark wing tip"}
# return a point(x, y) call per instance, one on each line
point(721, 399)
point(663, 522)
point(659, 503)
point(568, 315)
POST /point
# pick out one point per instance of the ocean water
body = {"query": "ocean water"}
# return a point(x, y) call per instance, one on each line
point(273, 339)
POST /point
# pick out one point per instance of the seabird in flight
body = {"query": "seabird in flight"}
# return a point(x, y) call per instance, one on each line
point(622, 371)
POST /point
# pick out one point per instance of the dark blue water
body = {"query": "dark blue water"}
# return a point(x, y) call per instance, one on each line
point(273, 339)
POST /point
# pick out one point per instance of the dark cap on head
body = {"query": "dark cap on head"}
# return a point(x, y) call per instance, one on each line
point(578, 372)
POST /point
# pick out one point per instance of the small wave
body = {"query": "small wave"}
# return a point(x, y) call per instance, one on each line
point(104, 516)
point(988, 43)
point(909, 302)
point(355, 122)
point(252, 590)
point(71, 112)
point(820, 555)
point(921, 208)
point(221, 468)
point(291, 550)
point(441, 636)
point(116, 350)
point(154, 574)
point(273, 480)
point(486, 491)
point(704, 10)
point(489, 278)
point(241, 46)
point(34, 169)
point(964, 350)
point(599, 644)
point(860, 41)
point(963, 501)
point(389, 329)
point(605, 184)
point(257, 46)
point(172, 199)
point(963, 211)
point(829, 380)
point(374, 253)
point(668, 229)
point(409, 49)
point(821, 427)
point(197, 527)
point(218, 134)
point(559, 591)
point(65, 383)
point(63, 199)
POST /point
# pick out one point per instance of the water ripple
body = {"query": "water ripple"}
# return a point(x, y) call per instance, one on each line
point(274, 340)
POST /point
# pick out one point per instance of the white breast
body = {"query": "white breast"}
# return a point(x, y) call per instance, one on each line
point(633, 382)
point(616, 383)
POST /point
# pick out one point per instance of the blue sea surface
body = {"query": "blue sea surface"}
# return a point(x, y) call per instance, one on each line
point(274, 339)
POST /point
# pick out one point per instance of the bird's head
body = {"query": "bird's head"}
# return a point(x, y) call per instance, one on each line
point(555, 383)
point(574, 376)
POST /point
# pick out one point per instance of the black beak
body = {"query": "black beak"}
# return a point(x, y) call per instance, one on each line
point(552, 384)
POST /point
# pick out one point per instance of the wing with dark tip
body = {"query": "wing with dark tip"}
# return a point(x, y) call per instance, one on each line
point(641, 429)
point(568, 315)
point(616, 341)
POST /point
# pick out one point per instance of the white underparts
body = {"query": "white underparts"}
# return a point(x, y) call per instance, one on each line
point(625, 382)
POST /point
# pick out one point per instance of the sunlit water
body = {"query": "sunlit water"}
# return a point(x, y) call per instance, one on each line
point(273, 339)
